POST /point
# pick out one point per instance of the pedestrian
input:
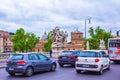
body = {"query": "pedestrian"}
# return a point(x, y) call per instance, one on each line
point(50, 53)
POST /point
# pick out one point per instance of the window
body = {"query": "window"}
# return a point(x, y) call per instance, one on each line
point(32, 57)
point(103, 54)
point(89, 54)
point(16, 57)
point(42, 57)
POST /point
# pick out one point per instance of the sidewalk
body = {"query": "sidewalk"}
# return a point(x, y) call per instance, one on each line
point(2, 63)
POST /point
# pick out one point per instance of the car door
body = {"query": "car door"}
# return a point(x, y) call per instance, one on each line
point(45, 62)
point(33, 59)
point(106, 60)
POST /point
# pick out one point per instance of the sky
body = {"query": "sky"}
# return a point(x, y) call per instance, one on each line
point(39, 16)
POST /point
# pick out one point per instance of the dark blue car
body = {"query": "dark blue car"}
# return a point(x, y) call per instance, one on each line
point(68, 57)
point(29, 63)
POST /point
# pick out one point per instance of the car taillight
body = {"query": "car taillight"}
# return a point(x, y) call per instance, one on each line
point(6, 61)
point(20, 62)
point(109, 51)
point(76, 59)
point(96, 60)
point(71, 57)
point(59, 57)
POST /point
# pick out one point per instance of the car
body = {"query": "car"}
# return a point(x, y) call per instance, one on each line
point(96, 60)
point(29, 63)
point(68, 57)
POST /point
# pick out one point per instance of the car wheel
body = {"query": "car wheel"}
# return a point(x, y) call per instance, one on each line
point(78, 71)
point(29, 72)
point(108, 67)
point(101, 71)
point(11, 74)
point(61, 65)
point(53, 67)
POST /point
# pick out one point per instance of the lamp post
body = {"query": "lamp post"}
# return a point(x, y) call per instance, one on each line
point(89, 19)
point(117, 33)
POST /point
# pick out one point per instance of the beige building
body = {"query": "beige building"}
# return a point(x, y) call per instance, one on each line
point(76, 41)
point(40, 46)
point(5, 43)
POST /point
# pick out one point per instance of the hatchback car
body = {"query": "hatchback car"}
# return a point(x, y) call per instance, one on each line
point(68, 57)
point(29, 63)
point(92, 61)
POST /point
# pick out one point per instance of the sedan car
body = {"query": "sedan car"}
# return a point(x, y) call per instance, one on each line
point(29, 63)
point(68, 57)
point(92, 61)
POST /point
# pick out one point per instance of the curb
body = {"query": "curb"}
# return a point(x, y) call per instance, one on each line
point(2, 67)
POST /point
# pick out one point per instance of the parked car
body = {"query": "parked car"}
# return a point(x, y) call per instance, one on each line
point(92, 61)
point(68, 57)
point(29, 63)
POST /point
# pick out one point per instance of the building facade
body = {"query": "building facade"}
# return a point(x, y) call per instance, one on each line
point(5, 41)
point(76, 41)
point(40, 46)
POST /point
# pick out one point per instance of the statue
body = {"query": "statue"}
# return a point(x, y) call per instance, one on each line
point(58, 36)
point(102, 44)
point(58, 39)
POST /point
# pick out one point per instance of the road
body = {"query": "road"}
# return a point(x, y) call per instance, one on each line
point(67, 73)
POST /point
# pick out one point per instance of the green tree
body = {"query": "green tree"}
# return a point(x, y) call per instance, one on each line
point(23, 41)
point(47, 45)
point(96, 35)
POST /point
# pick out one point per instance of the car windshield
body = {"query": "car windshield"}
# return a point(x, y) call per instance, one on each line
point(16, 57)
point(89, 54)
point(66, 53)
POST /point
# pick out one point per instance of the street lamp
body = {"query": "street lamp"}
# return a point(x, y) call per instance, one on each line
point(89, 19)
point(117, 33)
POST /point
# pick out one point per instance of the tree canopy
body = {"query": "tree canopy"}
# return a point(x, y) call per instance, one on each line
point(47, 45)
point(23, 41)
point(96, 35)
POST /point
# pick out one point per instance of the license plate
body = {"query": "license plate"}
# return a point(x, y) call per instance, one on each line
point(63, 57)
point(86, 66)
point(11, 68)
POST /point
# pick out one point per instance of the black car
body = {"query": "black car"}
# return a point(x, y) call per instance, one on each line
point(29, 63)
point(68, 57)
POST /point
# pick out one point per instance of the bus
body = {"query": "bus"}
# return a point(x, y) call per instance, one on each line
point(114, 49)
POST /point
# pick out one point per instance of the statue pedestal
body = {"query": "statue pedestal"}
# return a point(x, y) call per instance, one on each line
point(57, 48)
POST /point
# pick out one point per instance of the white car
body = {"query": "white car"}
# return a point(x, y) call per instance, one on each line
point(96, 60)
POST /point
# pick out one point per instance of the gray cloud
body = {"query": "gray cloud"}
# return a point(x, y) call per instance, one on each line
point(43, 15)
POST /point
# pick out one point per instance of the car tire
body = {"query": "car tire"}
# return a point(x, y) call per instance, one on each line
point(11, 74)
point(101, 71)
point(53, 67)
point(73, 65)
point(61, 65)
point(29, 72)
point(78, 71)
point(108, 67)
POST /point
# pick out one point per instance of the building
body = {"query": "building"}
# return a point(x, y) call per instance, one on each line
point(5, 41)
point(40, 46)
point(76, 41)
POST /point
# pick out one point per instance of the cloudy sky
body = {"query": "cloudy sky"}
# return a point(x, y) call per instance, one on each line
point(38, 16)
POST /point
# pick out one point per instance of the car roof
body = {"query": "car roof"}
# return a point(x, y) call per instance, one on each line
point(70, 50)
point(28, 53)
point(93, 50)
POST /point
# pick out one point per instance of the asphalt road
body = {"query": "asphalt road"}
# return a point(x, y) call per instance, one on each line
point(67, 73)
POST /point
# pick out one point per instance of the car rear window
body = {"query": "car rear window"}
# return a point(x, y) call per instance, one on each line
point(66, 53)
point(89, 54)
point(16, 57)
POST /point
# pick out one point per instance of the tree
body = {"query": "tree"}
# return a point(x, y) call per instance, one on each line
point(47, 45)
point(24, 42)
point(96, 35)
